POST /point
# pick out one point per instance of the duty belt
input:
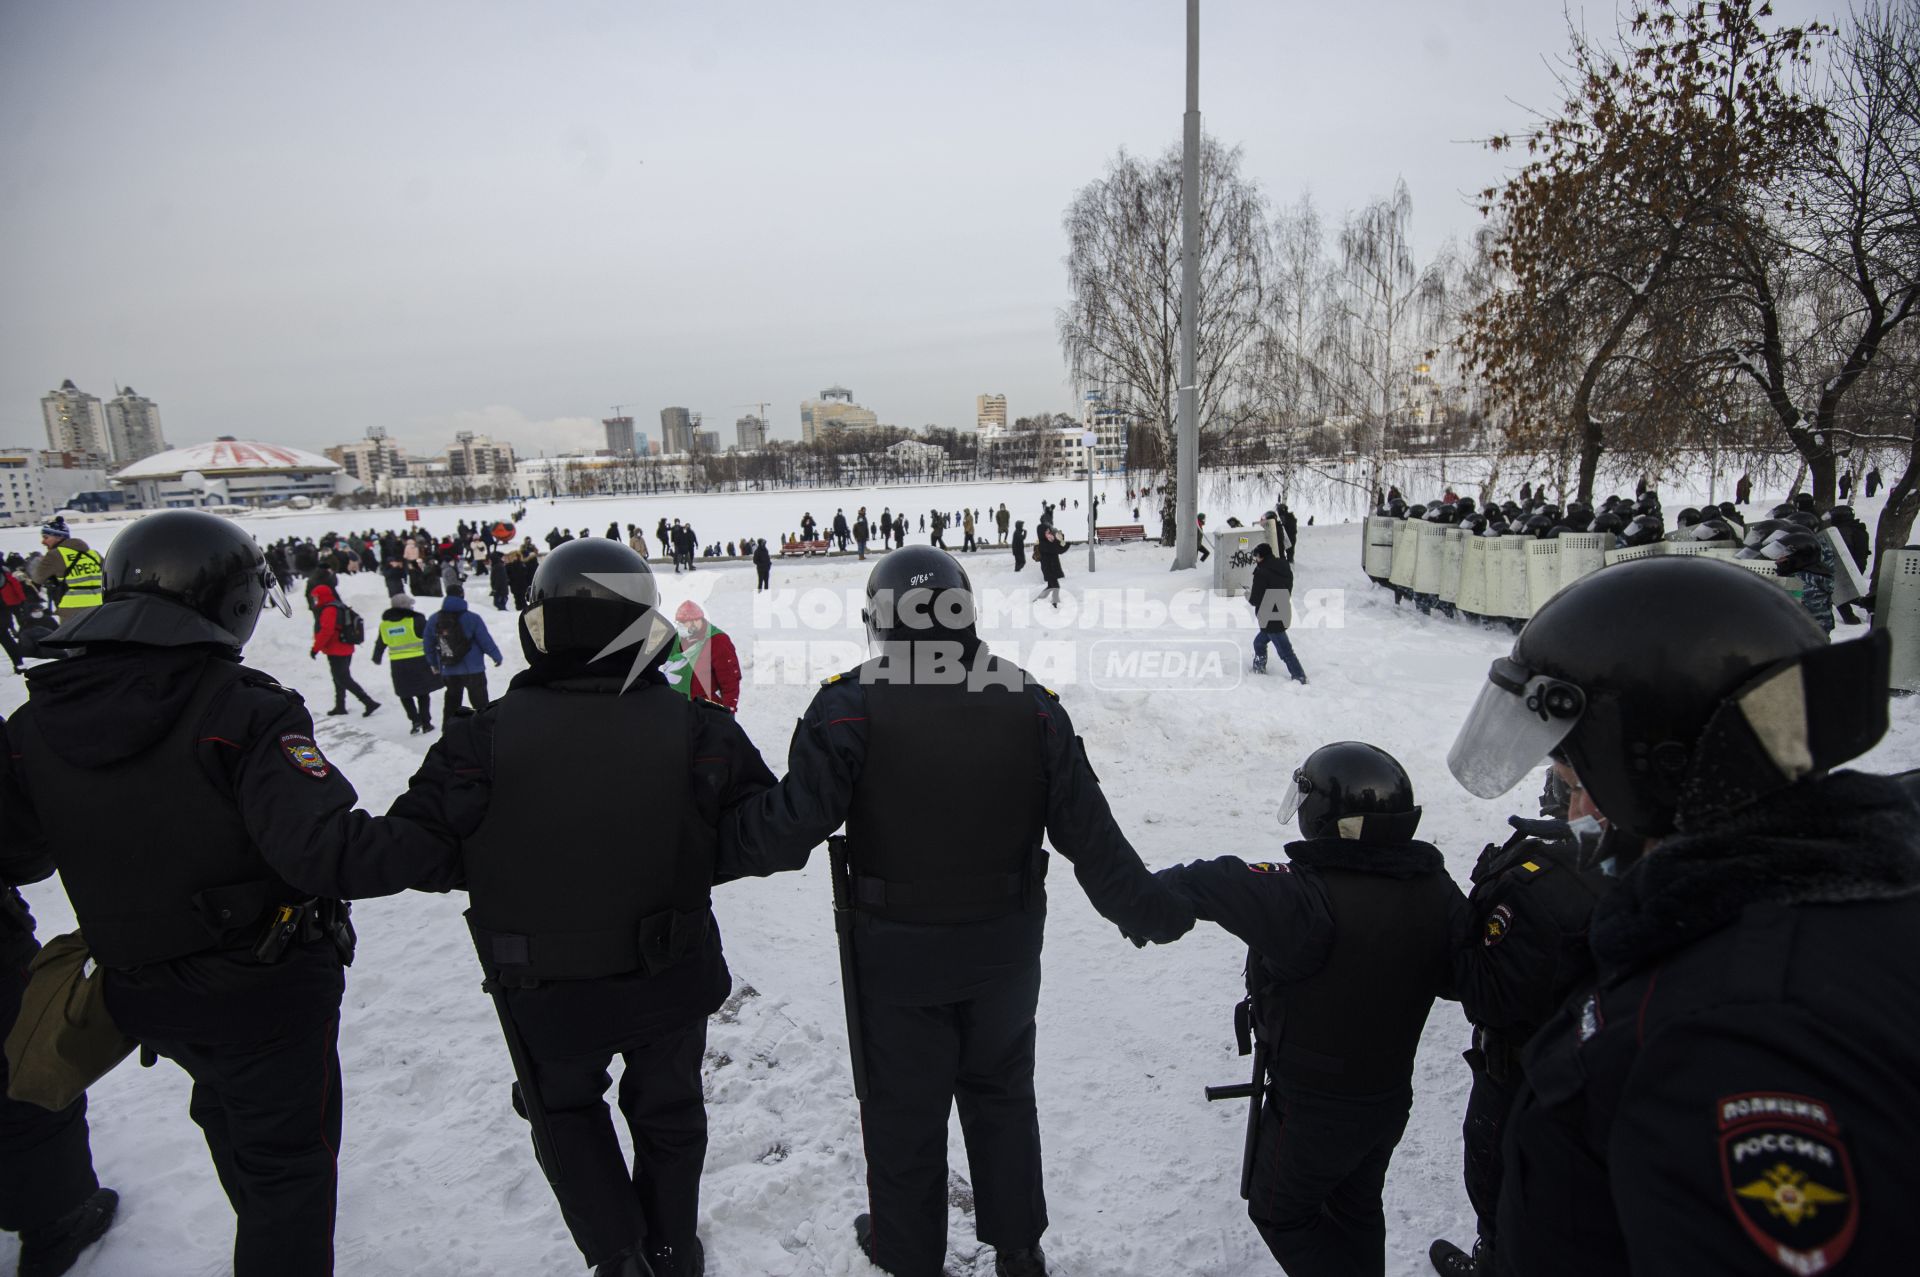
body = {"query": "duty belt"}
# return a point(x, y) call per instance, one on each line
point(521, 960)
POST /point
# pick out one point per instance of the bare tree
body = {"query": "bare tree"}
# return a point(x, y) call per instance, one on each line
point(1121, 330)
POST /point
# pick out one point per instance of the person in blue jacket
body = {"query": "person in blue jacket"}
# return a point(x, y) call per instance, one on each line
point(458, 644)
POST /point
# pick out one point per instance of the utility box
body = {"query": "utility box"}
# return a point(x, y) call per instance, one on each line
point(1896, 609)
point(1376, 555)
point(1233, 559)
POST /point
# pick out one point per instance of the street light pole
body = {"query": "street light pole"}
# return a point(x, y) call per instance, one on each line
point(1186, 498)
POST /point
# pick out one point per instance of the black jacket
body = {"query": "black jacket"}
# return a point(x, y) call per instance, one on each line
point(255, 742)
point(1741, 1091)
point(916, 963)
point(453, 786)
point(1271, 575)
point(1306, 985)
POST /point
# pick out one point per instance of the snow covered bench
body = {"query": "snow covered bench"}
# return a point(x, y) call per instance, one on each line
point(1121, 532)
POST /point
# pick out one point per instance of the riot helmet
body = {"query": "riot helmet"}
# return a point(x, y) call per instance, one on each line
point(918, 592)
point(1791, 552)
point(175, 578)
point(1733, 695)
point(1539, 526)
point(1352, 790)
point(592, 598)
point(1686, 518)
point(1644, 530)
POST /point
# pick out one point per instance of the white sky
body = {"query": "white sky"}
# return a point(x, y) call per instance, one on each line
point(293, 221)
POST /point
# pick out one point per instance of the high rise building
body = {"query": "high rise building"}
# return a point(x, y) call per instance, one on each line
point(834, 409)
point(23, 491)
point(676, 430)
point(751, 432)
point(133, 426)
point(990, 411)
point(619, 435)
point(706, 440)
point(472, 455)
point(372, 459)
point(76, 421)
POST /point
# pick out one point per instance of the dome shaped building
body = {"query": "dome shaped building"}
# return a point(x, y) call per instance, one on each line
point(231, 472)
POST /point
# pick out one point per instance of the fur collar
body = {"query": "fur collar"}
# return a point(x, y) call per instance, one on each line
point(1392, 860)
point(1848, 836)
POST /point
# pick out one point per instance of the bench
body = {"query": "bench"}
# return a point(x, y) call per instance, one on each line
point(1121, 532)
point(790, 548)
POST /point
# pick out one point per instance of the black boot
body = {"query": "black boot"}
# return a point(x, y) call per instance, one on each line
point(368, 711)
point(863, 1235)
point(1025, 1262)
point(336, 710)
point(625, 1264)
point(678, 1261)
point(52, 1249)
point(1450, 1261)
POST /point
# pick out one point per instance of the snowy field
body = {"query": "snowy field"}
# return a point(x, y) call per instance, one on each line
point(436, 1178)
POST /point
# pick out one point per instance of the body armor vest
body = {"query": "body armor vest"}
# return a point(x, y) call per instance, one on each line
point(969, 860)
point(1352, 1027)
point(591, 861)
point(155, 857)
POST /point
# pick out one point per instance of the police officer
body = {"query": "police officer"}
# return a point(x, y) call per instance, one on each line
point(1350, 940)
point(206, 842)
point(69, 570)
point(948, 912)
point(600, 942)
point(1738, 1089)
point(48, 1192)
point(1522, 950)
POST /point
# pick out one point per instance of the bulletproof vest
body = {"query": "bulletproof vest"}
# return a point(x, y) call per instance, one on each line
point(1352, 1027)
point(154, 855)
point(1553, 887)
point(917, 860)
point(591, 861)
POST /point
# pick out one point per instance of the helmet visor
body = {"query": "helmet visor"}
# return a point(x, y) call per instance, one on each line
point(1295, 795)
point(1520, 718)
point(271, 595)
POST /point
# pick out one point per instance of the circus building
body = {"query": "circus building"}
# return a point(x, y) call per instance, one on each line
point(232, 472)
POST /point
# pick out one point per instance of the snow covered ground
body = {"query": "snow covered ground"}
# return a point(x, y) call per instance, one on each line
point(436, 1176)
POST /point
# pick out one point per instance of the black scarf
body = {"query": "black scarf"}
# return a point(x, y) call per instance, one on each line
point(1848, 836)
point(1391, 860)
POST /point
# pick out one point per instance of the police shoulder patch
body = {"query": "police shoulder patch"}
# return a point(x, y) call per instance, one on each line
point(1268, 867)
point(1788, 1178)
point(1498, 923)
point(305, 755)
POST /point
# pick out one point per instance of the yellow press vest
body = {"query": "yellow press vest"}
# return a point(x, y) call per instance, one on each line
point(83, 577)
point(402, 643)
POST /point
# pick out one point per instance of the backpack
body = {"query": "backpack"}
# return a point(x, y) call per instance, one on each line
point(351, 630)
point(451, 640)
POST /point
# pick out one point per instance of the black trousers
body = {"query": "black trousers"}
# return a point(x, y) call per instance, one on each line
point(46, 1162)
point(920, 1061)
point(475, 687)
point(765, 577)
point(341, 667)
point(1317, 1179)
point(609, 1207)
point(261, 1045)
point(419, 708)
point(1481, 1133)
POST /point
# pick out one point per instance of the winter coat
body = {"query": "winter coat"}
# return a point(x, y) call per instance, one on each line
point(480, 640)
point(762, 557)
point(1046, 552)
point(1739, 1089)
point(326, 631)
point(1272, 594)
point(414, 677)
point(714, 672)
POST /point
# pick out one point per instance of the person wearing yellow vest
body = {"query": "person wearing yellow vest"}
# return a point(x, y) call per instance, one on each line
point(402, 635)
point(69, 570)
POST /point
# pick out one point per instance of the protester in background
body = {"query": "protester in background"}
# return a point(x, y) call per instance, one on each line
point(1272, 597)
point(1047, 551)
point(402, 632)
point(336, 632)
point(458, 646)
point(702, 662)
point(1019, 545)
point(762, 566)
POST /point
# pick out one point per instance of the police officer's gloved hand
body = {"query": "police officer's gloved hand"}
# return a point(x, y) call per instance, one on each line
point(1543, 829)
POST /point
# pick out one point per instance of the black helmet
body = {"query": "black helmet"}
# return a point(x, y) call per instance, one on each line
point(1475, 523)
point(591, 598)
point(1840, 515)
point(1464, 505)
point(1784, 510)
point(1350, 789)
point(1792, 552)
point(1511, 509)
point(1802, 501)
point(1731, 513)
point(1686, 518)
point(1713, 528)
point(918, 592)
point(1734, 694)
point(1644, 530)
point(1539, 526)
point(175, 578)
point(1416, 512)
point(1607, 521)
point(1578, 520)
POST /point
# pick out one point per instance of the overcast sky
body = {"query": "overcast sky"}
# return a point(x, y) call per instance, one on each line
point(294, 221)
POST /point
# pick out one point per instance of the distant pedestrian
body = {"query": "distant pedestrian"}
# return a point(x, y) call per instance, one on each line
point(402, 634)
point(497, 583)
point(1019, 545)
point(335, 635)
point(458, 645)
point(1200, 523)
point(1000, 521)
point(1272, 597)
point(1048, 551)
point(762, 566)
point(861, 531)
point(702, 662)
point(1873, 481)
point(1743, 489)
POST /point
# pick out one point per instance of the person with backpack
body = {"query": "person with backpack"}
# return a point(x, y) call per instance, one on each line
point(457, 644)
point(403, 632)
point(497, 579)
point(14, 593)
point(337, 630)
point(69, 570)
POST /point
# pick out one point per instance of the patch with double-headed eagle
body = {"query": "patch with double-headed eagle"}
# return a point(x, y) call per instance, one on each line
point(305, 755)
point(1498, 923)
point(1788, 1178)
point(1268, 867)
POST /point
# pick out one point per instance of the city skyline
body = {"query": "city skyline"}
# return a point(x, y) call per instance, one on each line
point(435, 218)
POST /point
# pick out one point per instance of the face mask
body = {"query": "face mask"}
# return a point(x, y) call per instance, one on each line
point(1586, 828)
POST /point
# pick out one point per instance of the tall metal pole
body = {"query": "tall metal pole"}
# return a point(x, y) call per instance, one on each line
point(1187, 466)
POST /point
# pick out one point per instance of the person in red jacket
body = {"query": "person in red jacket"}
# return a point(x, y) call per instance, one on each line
point(328, 611)
point(702, 663)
